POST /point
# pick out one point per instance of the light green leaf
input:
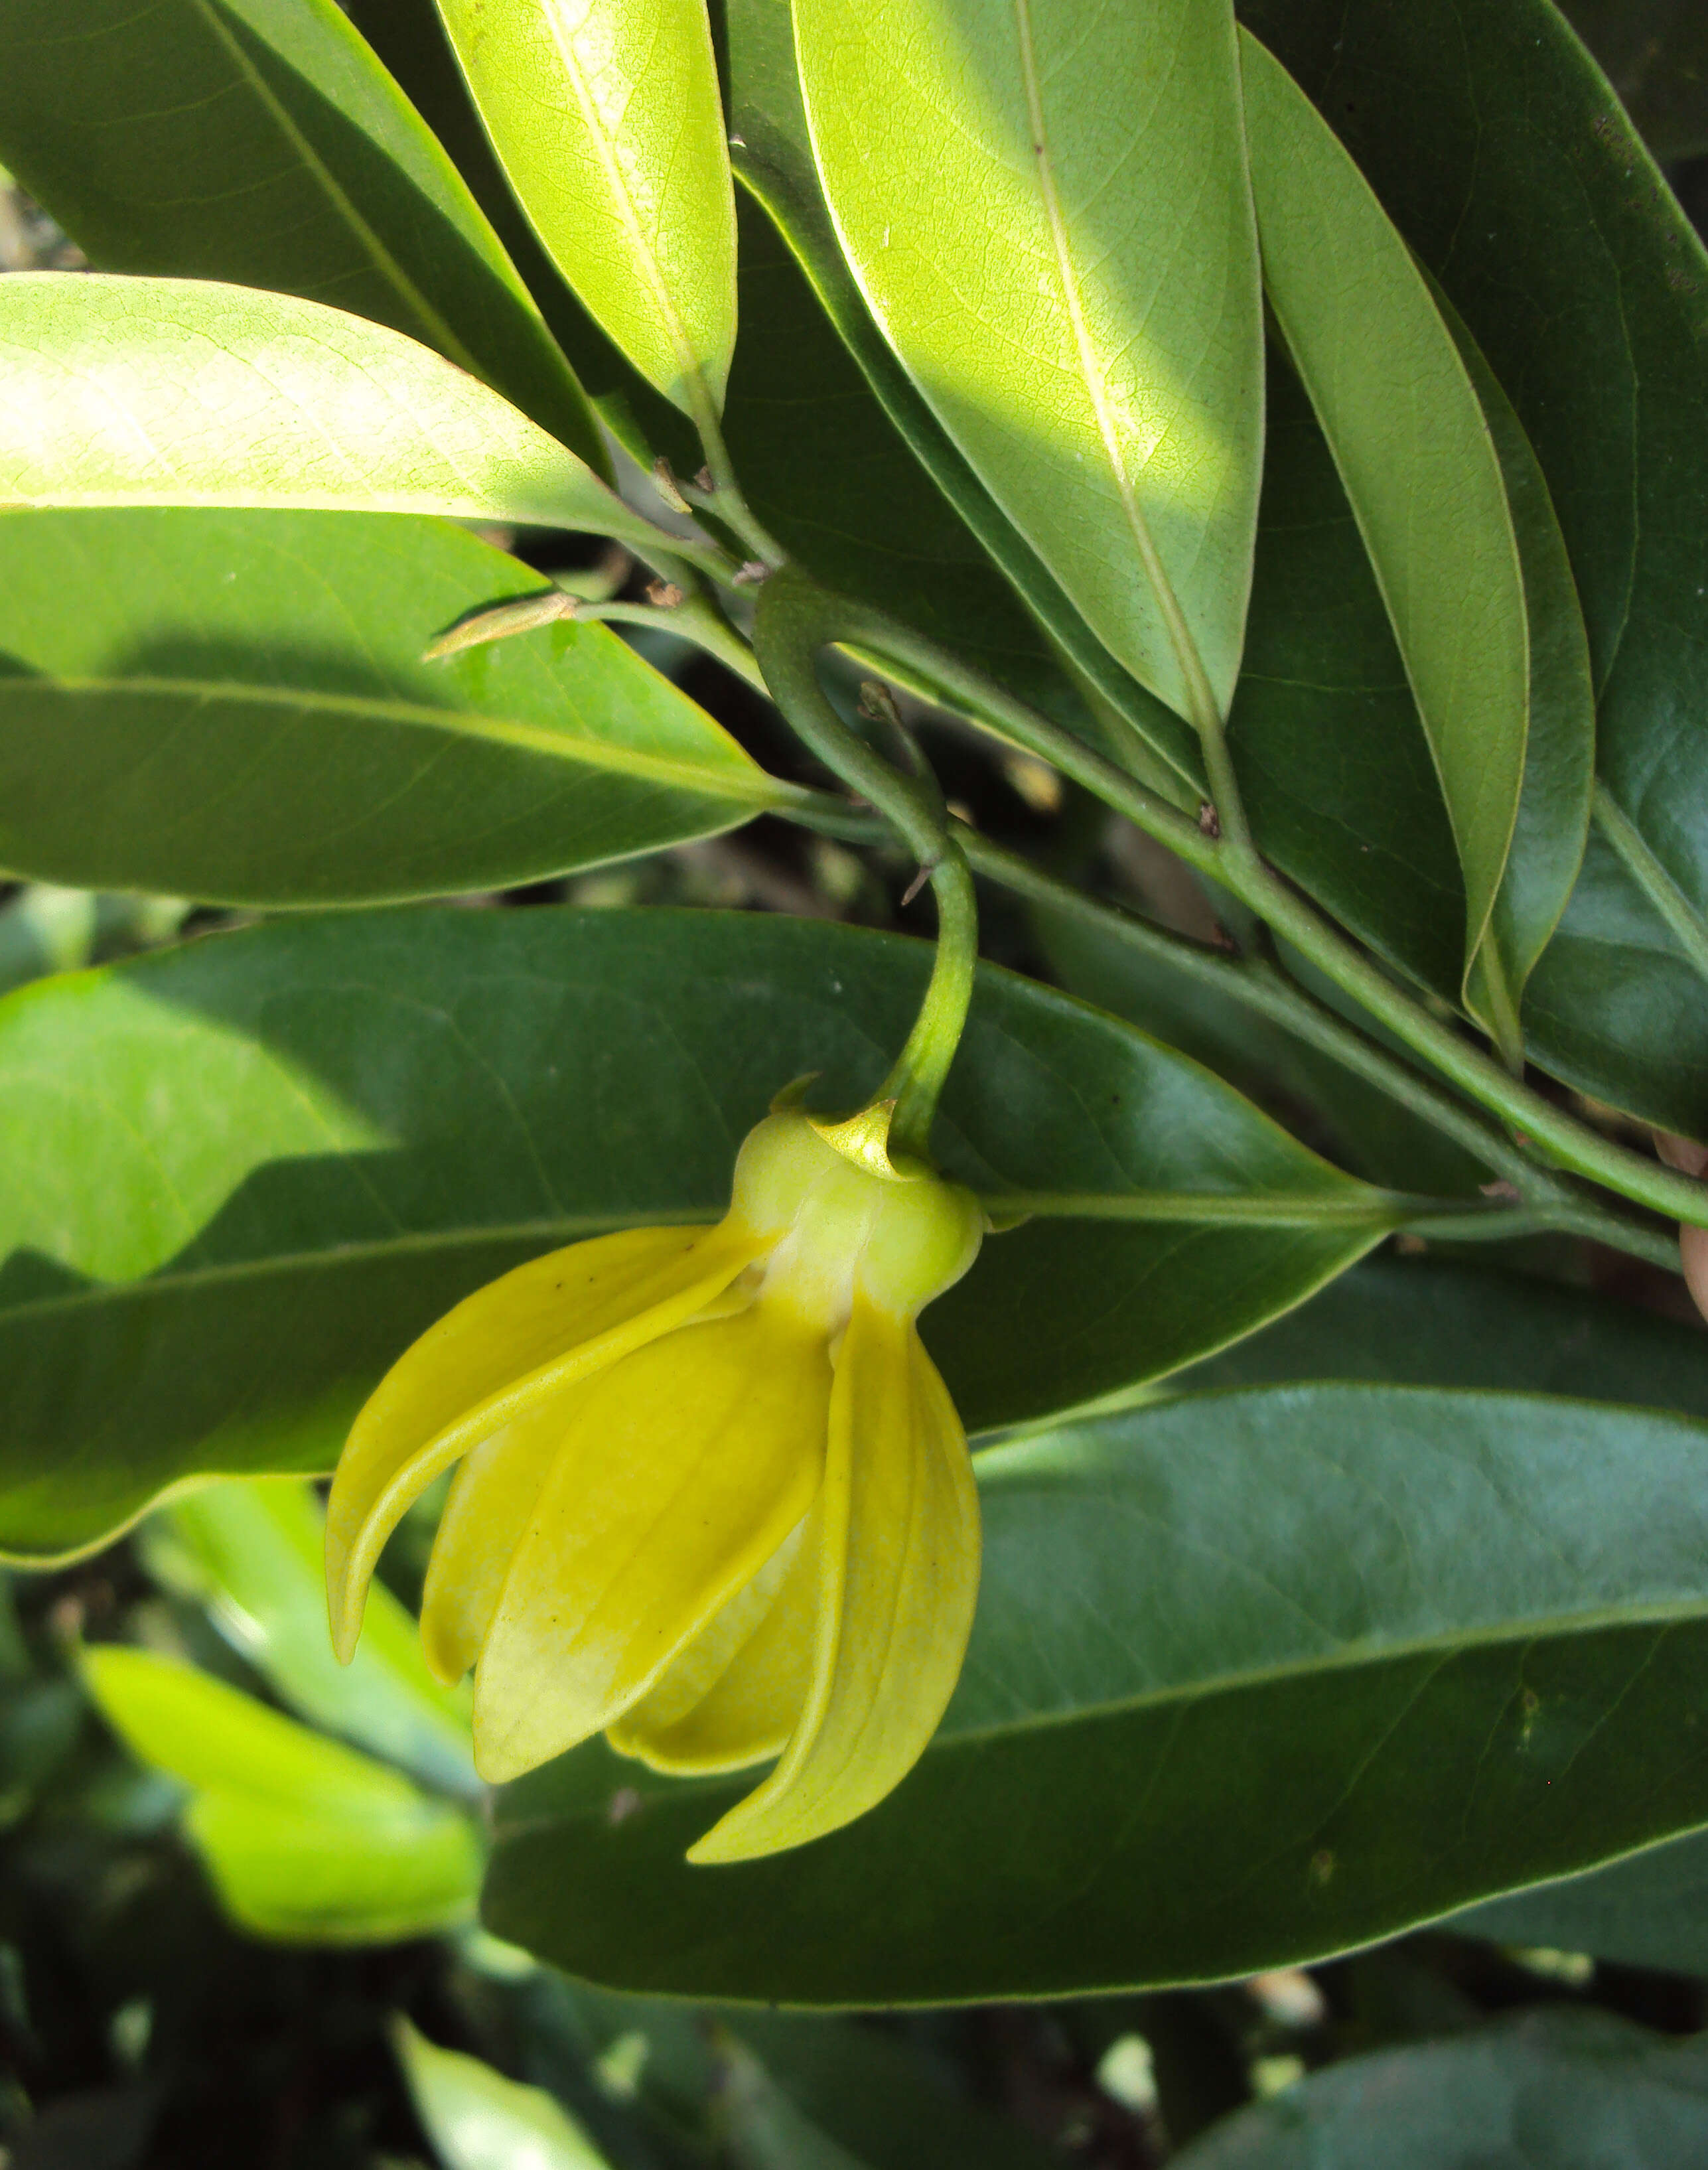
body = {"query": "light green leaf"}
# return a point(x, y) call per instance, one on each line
point(260, 141)
point(307, 1842)
point(1255, 1678)
point(181, 392)
point(479, 2120)
point(606, 117)
point(773, 159)
point(1574, 2090)
point(1415, 454)
point(238, 1179)
point(254, 1554)
point(233, 706)
point(1053, 227)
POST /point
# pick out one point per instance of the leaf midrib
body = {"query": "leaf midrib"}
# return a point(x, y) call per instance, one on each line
point(628, 211)
point(438, 330)
point(1187, 659)
point(553, 1230)
point(1352, 1657)
point(760, 789)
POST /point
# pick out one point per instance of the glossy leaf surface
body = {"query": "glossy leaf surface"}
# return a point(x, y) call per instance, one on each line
point(773, 155)
point(306, 1840)
point(1492, 141)
point(233, 705)
point(1424, 1323)
point(1415, 454)
point(825, 468)
point(479, 2120)
point(254, 1554)
point(180, 392)
point(1575, 2090)
point(410, 38)
point(240, 1178)
point(260, 142)
point(1254, 1678)
point(605, 115)
point(1011, 194)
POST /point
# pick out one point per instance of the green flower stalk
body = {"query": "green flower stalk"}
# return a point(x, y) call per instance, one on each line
point(714, 1499)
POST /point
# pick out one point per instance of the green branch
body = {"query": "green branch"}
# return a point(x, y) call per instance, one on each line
point(795, 620)
point(1538, 1123)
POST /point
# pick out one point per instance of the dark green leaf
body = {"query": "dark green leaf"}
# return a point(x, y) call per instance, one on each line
point(1490, 139)
point(1331, 752)
point(833, 479)
point(1412, 1322)
point(1398, 408)
point(1655, 51)
point(1650, 1910)
point(233, 705)
point(876, 2099)
point(240, 1177)
point(258, 142)
point(1254, 1678)
point(1571, 2090)
point(1373, 1133)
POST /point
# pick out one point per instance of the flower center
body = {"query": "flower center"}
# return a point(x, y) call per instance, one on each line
point(835, 1226)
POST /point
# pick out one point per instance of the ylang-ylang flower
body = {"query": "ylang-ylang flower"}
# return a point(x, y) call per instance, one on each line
point(714, 1499)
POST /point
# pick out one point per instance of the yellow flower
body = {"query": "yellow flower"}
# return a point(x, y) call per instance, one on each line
point(714, 1499)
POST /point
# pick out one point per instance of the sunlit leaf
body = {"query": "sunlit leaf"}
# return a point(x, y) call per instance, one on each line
point(181, 392)
point(233, 705)
point(260, 141)
point(1013, 194)
point(605, 115)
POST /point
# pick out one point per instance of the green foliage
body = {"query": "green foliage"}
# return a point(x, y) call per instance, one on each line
point(1574, 2091)
point(235, 704)
point(1104, 386)
point(479, 2120)
point(1341, 1658)
point(1230, 476)
point(306, 1840)
point(260, 141)
point(309, 1140)
point(606, 120)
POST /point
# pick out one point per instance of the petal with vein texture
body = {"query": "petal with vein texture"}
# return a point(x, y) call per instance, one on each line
point(899, 1567)
point(591, 1302)
point(733, 1697)
point(685, 1468)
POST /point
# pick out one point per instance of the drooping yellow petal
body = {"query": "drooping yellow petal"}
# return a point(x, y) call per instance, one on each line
point(734, 1696)
point(899, 1579)
point(523, 1335)
point(684, 1467)
point(493, 1497)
